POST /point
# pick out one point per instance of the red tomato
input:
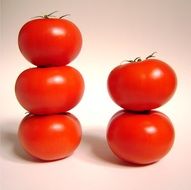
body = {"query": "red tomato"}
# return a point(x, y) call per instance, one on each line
point(50, 137)
point(49, 41)
point(142, 85)
point(49, 90)
point(140, 138)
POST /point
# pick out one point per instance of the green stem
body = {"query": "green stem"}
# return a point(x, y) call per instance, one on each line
point(64, 16)
point(150, 56)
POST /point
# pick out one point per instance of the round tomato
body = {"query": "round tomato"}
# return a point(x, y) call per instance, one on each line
point(49, 41)
point(49, 90)
point(50, 137)
point(140, 138)
point(142, 85)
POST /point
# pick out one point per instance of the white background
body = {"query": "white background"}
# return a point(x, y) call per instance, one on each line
point(113, 30)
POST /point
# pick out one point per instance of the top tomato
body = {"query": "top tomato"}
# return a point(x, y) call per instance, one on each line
point(49, 41)
point(142, 85)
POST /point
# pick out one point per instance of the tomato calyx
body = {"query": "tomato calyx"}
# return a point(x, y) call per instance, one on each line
point(51, 15)
point(138, 59)
point(151, 55)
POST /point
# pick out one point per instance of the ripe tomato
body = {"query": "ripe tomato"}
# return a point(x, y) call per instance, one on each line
point(50, 137)
point(49, 90)
point(49, 41)
point(142, 85)
point(140, 138)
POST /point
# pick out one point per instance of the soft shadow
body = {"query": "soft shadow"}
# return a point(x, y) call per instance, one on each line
point(95, 145)
point(10, 147)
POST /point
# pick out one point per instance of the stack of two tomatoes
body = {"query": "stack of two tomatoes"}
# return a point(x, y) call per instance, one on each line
point(50, 89)
point(139, 134)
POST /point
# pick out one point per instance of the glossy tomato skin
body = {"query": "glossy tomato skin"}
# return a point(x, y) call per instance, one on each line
point(50, 41)
point(49, 90)
point(143, 85)
point(50, 137)
point(140, 138)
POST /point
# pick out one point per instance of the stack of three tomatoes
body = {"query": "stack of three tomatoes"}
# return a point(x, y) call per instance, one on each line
point(50, 89)
point(139, 134)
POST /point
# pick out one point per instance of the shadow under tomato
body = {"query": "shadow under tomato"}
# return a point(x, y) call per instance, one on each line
point(10, 147)
point(96, 149)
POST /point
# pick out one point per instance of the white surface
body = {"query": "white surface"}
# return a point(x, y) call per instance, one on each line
point(112, 31)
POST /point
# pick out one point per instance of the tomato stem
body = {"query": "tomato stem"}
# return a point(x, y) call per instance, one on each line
point(138, 59)
point(64, 16)
point(51, 15)
point(37, 17)
point(150, 56)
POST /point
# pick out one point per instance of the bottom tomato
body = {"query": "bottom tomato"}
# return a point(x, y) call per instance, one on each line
point(50, 137)
point(140, 138)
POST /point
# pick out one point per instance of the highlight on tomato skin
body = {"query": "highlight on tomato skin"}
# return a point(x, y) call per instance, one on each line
point(49, 90)
point(50, 41)
point(50, 137)
point(142, 85)
point(140, 138)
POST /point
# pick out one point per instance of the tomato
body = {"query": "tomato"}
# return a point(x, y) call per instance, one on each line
point(140, 138)
point(50, 137)
point(49, 90)
point(142, 85)
point(49, 41)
